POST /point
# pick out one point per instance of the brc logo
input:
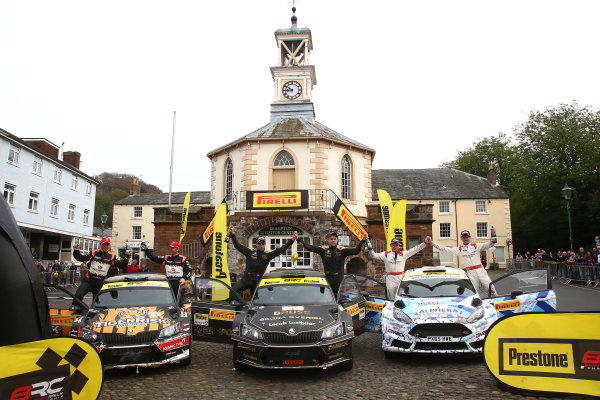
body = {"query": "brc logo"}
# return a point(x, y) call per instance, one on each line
point(591, 358)
point(38, 390)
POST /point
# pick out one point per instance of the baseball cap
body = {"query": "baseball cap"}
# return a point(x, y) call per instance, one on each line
point(105, 240)
point(465, 233)
point(261, 239)
point(394, 240)
point(175, 245)
point(332, 233)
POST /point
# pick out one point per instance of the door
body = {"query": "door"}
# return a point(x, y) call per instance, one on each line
point(213, 310)
point(523, 291)
point(59, 304)
point(352, 300)
point(376, 298)
point(284, 178)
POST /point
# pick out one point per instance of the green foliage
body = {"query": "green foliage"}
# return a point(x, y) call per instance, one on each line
point(553, 147)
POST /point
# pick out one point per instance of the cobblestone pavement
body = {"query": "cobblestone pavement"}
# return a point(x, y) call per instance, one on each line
point(211, 376)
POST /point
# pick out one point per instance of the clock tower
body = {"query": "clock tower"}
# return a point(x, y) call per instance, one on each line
point(293, 77)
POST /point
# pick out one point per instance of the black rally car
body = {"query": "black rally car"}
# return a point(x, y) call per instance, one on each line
point(292, 321)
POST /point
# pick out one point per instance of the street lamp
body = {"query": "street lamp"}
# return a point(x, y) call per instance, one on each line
point(567, 192)
point(103, 219)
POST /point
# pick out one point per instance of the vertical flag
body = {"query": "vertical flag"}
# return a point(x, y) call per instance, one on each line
point(385, 202)
point(397, 225)
point(343, 214)
point(210, 228)
point(184, 216)
point(220, 270)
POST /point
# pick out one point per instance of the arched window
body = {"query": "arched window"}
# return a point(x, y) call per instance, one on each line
point(283, 159)
point(228, 179)
point(346, 178)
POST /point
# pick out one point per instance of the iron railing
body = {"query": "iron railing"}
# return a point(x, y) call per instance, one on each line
point(566, 272)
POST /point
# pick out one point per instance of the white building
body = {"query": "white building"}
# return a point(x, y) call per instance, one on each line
point(51, 199)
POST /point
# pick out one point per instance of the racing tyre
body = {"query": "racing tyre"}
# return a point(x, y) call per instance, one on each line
point(188, 360)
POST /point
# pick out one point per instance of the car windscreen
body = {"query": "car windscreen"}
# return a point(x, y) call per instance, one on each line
point(275, 295)
point(436, 287)
point(135, 297)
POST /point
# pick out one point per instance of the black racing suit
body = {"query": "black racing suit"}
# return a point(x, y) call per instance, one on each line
point(333, 258)
point(256, 264)
point(102, 264)
point(176, 267)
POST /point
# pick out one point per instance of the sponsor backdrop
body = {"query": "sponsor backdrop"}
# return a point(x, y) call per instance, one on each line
point(556, 352)
point(276, 199)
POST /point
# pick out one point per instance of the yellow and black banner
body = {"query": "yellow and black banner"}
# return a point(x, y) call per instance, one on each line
point(184, 216)
point(343, 214)
point(210, 228)
point(57, 368)
point(397, 227)
point(546, 352)
point(220, 270)
point(385, 202)
point(276, 199)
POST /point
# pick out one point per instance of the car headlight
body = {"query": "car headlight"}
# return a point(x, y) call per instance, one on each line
point(171, 330)
point(401, 316)
point(476, 315)
point(251, 333)
point(333, 331)
point(87, 334)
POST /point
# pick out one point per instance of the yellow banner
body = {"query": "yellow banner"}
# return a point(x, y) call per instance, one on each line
point(115, 285)
point(184, 216)
point(385, 202)
point(397, 227)
point(345, 215)
point(220, 270)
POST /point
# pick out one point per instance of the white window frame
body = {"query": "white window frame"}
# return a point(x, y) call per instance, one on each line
point(480, 207)
point(499, 254)
point(74, 182)
point(445, 203)
point(54, 205)
point(135, 208)
point(449, 224)
point(9, 193)
point(14, 155)
point(88, 189)
point(481, 228)
point(34, 199)
point(136, 232)
point(86, 217)
point(228, 179)
point(71, 216)
point(37, 165)
point(346, 177)
point(57, 174)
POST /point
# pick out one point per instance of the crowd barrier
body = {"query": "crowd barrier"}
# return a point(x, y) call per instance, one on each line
point(579, 273)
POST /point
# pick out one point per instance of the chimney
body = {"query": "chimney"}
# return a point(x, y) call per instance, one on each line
point(491, 175)
point(135, 187)
point(44, 145)
point(72, 157)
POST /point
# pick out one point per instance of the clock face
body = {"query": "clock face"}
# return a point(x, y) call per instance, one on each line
point(291, 90)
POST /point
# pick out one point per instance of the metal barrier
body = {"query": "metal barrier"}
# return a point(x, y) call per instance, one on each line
point(565, 272)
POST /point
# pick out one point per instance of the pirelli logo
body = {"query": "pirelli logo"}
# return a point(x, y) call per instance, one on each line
point(223, 315)
point(351, 223)
point(62, 319)
point(277, 199)
point(353, 310)
point(507, 305)
point(208, 231)
point(372, 306)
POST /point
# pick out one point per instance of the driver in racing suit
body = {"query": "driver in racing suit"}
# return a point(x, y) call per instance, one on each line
point(470, 255)
point(177, 267)
point(102, 264)
point(257, 261)
point(333, 257)
point(394, 261)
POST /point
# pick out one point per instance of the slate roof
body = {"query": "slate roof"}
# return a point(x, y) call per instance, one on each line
point(298, 127)
point(163, 198)
point(433, 184)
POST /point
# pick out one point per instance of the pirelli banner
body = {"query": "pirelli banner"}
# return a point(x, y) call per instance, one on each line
point(210, 228)
point(343, 214)
point(276, 199)
point(546, 353)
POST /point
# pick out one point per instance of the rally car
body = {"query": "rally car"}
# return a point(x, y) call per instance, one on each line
point(437, 309)
point(292, 321)
point(134, 321)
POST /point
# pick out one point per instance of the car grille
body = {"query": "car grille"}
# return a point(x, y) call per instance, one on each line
point(113, 339)
point(280, 338)
point(454, 330)
point(441, 346)
point(400, 343)
point(277, 356)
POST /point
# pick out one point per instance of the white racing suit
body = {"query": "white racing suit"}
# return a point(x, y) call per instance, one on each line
point(394, 266)
point(471, 260)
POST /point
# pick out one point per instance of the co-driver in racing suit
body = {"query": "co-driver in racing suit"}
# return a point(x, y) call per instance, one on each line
point(394, 261)
point(334, 257)
point(177, 267)
point(257, 261)
point(469, 254)
point(102, 264)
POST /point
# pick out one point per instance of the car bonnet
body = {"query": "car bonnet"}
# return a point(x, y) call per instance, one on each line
point(291, 319)
point(456, 309)
point(130, 320)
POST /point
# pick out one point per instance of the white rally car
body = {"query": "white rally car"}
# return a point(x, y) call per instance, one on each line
point(437, 310)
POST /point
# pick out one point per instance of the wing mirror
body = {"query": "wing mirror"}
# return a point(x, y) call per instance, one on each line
point(399, 304)
point(476, 302)
point(515, 293)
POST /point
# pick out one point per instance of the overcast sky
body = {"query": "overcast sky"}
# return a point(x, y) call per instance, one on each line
point(415, 80)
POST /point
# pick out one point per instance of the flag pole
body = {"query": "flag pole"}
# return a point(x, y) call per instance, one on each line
point(172, 153)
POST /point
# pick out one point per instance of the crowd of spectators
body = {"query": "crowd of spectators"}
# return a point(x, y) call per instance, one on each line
point(58, 273)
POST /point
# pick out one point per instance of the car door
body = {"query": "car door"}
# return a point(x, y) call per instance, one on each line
point(213, 310)
point(59, 304)
point(376, 297)
point(523, 291)
point(352, 300)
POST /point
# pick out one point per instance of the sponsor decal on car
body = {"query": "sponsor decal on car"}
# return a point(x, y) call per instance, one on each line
point(173, 344)
point(286, 281)
point(62, 319)
point(116, 285)
point(244, 346)
point(362, 312)
point(293, 362)
point(249, 357)
point(507, 305)
point(335, 355)
point(353, 310)
point(292, 308)
point(223, 315)
point(200, 319)
point(372, 306)
point(337, 345)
